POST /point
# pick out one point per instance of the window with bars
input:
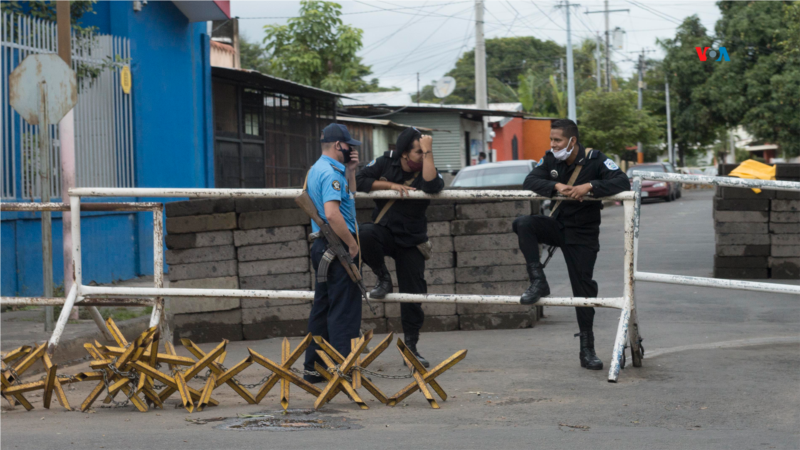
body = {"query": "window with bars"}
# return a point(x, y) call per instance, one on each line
point(273, 144)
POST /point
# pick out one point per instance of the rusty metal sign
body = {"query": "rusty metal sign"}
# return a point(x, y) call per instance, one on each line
point(60, 88)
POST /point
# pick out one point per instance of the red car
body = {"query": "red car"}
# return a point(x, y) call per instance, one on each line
point(666, 190)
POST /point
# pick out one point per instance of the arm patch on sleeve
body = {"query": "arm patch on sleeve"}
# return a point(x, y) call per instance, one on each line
point(611, 164)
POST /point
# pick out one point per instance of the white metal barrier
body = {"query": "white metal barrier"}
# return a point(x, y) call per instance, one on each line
point(702, 281)
point(75, 296)
point(82, 294)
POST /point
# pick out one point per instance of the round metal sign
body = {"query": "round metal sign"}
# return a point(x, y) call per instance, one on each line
point(61, 91)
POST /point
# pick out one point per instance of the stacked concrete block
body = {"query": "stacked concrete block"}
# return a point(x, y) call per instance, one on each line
point(272, 250)
point(758, 235)
point(262, 244)
point(201, 255)
point(439, 276)
point(489, 262)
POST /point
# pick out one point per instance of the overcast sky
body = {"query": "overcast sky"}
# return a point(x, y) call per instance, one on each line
point(402, 38)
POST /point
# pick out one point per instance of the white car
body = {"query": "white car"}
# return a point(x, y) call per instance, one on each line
point(509, 174)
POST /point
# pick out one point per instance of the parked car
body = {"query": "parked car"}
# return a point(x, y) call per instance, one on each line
point(509, 174)
point(499, 175)
point(667, 190)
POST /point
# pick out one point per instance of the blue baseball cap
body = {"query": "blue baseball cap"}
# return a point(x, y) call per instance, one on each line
point(338, 133)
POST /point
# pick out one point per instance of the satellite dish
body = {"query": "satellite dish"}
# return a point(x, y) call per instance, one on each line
point(444, 87)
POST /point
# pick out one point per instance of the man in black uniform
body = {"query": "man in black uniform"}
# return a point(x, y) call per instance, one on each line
point(574, 226)
point(399, 228)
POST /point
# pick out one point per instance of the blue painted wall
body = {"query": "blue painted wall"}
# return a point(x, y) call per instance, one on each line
point(173, 147)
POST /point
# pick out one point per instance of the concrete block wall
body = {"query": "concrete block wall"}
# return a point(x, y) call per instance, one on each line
point(262, 244)
point(757, 235)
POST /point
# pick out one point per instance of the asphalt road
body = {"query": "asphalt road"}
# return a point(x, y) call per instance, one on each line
point(722, 372)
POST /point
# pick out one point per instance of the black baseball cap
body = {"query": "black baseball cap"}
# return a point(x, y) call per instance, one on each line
point(338, 133)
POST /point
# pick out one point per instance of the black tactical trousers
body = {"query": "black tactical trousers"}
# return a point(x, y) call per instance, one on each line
point(377, 242)
point(580, 259)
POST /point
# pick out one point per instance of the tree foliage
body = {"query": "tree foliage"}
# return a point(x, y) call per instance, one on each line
point(692, 121)
point(760, 87)
point(316, 48)
point(609, 121)
point(47, 10)
point(252, 56)
point(520, 69)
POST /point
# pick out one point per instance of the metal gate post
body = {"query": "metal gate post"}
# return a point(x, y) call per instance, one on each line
point(157, 318)
point(636, 350)
point(77, 275)
point(628, 312)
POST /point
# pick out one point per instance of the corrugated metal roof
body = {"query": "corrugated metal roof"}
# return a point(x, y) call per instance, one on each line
point(255, 77)
point(383, 123)
point(389, 98)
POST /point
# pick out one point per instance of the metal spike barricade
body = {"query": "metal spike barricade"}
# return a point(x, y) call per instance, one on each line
point(133, 368)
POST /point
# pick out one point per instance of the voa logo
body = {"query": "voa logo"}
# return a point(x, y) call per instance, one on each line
point(704, 53)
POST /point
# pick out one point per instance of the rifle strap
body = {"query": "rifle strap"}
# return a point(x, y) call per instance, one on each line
point(571, 182)
point(358, 235)
point(391, 202)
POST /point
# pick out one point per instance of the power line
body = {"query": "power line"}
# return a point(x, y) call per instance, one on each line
point(656, 12)
point(548, 16)
point(418, 8)
point(386, 39)
point(417, 47)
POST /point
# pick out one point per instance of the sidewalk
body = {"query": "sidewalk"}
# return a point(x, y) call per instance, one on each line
point(26, 327)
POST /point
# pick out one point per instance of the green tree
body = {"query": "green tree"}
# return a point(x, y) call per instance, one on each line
point(692, 121)
point(47, 10)
point(252, 56)
point(519, 69)
point(506, 60)
point(318, 49)
point(609, 121)
point(759, 87)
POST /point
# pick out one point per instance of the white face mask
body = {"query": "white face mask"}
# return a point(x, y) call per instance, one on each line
point(564, 153)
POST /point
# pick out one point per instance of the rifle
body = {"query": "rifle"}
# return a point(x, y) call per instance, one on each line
point(335, 248)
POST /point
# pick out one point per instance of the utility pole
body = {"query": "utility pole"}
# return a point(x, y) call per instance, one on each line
point(572, 112)
point(480, 58)
point(669, 125)
point(597, 58)
point(606, 11)
point(608, 50)
point(639, 152)
point(66, 146)
point(417, 88)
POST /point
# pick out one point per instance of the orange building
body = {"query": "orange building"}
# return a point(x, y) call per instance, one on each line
point(521, 138)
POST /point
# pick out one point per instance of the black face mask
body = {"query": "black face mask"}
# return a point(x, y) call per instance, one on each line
point(346, 154)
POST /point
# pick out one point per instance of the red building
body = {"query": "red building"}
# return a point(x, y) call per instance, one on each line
point(520, 138)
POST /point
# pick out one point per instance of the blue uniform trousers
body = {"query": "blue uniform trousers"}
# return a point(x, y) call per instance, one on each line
point(336, 313)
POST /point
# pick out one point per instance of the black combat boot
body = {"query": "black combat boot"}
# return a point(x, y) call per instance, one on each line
point(411, 342)
point(538, 288)
point(588, 358)
point(384, 285)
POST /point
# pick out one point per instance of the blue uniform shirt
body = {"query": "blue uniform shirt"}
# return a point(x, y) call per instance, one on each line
point(327, 182)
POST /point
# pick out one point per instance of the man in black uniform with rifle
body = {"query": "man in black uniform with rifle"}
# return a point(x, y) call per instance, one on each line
point(400, 229)
point(571, 170)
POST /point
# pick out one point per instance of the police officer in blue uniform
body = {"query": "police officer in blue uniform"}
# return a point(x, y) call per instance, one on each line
point(574, 226)
point(399, 228)
point(336, 312)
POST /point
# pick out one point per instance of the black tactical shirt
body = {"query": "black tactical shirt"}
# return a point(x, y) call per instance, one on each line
point(581, 220)
point(406, 218)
